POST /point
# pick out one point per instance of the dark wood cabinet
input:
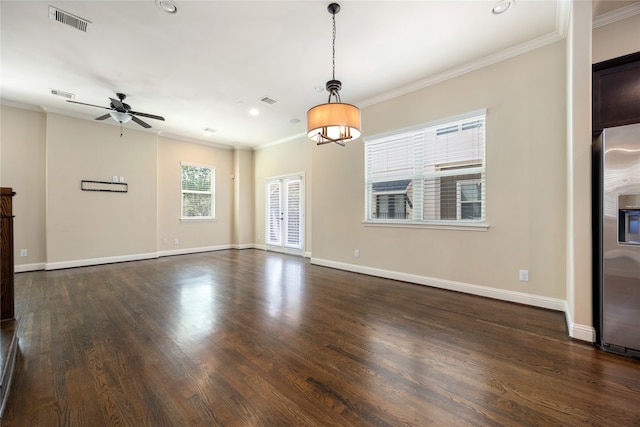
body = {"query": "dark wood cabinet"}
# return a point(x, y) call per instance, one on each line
point(616, 92)
point(7, 311)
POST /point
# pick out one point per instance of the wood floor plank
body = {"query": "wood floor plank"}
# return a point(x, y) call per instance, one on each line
point(239, 338)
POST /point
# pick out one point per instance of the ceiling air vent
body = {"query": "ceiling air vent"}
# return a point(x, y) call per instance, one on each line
point(63, 94)
point(268, 100)
point(69, 19)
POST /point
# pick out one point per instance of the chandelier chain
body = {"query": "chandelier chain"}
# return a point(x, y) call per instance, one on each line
point(334, 46)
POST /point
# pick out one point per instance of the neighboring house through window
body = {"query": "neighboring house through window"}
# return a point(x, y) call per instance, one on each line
point(432, 173)
point(198, 191)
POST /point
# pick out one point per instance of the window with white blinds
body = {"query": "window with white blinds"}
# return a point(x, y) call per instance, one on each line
point(433, 173)
point(198, 191)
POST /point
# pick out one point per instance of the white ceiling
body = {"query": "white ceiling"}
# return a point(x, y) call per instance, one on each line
point(208, 64)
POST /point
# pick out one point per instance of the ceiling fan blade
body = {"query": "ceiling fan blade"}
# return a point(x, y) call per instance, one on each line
point(90, 105)
point(106, 116)
point(118, 104)
point(150, 116)
point(140, 122)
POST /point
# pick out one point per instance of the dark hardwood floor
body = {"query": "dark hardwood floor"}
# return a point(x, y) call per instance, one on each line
point(251, 338)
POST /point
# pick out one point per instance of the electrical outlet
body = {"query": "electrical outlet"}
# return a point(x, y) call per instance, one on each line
point(356, 253)
point(524, 275)
point(114, 178)
point(23, 252)
point(164, 241)
point(176, 241)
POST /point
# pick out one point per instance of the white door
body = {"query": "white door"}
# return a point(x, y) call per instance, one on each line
point(285, 214)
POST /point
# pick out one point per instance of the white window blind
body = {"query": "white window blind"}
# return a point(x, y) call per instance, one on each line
point(432, 173)
point(274, 213)
point(293, 212)
point(198, 195)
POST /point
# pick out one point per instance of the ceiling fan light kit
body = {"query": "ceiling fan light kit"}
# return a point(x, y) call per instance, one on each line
point(119, 117)
point(335, 122)
point(121, 112)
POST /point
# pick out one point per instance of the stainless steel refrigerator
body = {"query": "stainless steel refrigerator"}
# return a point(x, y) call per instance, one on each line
point(617, 238)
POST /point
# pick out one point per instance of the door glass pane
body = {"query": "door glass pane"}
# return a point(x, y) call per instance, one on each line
point(293, 202)
point(273, 232)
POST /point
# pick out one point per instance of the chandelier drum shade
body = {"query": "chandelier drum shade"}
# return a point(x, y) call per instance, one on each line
point(334, 121)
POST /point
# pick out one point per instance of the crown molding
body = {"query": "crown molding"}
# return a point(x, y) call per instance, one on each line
point(467, 68)
point(563, 13)
point(280, 141)
point(616, 15)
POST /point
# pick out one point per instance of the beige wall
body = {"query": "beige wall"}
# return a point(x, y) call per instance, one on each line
point(288, 158)
point(616, 39)
point(45, 156)
point(243, 221)
point(23, 168)
point(84, 225)
point(526, 171)
point(192, 234)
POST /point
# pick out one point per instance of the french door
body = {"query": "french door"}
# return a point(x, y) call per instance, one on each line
point(284, 229)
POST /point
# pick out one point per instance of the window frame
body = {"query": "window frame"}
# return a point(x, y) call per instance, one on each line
point(212, 193)
point(415, 135)
point(459, 201)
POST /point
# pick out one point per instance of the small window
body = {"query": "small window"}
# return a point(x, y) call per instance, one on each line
point(198, 194)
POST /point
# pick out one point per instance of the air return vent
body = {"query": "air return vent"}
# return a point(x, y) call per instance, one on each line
point(63, 94)
point(268, 100)
point(69, 19)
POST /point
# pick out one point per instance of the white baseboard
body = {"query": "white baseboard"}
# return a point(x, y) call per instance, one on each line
point(98, 261)
point(576, 330)
point(23, 268)
point(187, 251)
point(484, 291)
point(243, 246)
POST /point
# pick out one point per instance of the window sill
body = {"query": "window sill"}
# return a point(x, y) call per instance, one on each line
point(469, 226)
point(197, 218)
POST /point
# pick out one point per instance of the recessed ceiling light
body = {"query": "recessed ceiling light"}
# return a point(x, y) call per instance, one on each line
point(254, 112)
point(319, 88)
point(167, 5)
point(502, 6)
point(294, 121)
point(209, 131)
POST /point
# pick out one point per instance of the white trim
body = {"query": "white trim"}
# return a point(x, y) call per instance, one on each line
point(577, 331)
point(285, 250)
point(23, 268)
point(467, 68)
point(179, 138)
point(616, 15)
point(188, 251)
point(98, 261)
point(563, 15)
point(444, 226)
point(484, 291)
point(243, 246)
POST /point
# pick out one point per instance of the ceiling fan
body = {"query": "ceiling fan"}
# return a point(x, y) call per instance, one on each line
point(122, 112)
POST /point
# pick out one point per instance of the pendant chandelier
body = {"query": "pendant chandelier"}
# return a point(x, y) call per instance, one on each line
point(334, 121)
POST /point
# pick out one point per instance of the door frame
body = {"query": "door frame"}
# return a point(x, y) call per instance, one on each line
point(282, 179)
